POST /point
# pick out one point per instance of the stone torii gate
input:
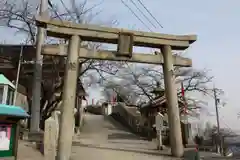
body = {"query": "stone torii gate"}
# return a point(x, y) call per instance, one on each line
point(125, 39)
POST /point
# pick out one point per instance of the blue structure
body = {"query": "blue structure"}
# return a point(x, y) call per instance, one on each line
point(10, 117)
point(12, 111)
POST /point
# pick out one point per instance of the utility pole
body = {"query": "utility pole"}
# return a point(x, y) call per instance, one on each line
point(37, 77)
point(185, 117)
point(219, 144)
point(79, 100)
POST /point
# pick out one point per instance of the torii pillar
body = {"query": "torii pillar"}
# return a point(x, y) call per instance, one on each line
point(172, 102)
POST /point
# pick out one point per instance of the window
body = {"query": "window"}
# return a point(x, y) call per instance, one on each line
point(10, 96)
point(1, 94)
point(165, 123)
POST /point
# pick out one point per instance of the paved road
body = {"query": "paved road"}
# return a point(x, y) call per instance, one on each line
point(105, 139)
point(27, 151)
point(102, 139)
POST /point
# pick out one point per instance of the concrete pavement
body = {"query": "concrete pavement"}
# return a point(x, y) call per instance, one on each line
point(105, 139)
point(27, 151)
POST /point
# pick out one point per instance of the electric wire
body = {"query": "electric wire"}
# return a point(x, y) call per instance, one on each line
point(143, 14)
point(150, 13)
point(130, 9)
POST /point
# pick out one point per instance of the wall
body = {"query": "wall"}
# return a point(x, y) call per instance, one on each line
point(21, 100)
point(95, 109)
point(130, 119)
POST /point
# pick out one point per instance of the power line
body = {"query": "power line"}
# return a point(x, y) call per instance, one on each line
point(50, 4)
point(143, 14)
point(150, 13)
point(65, 7)
point(227, 126)
point(135, 15)
point(217, 101)
point(54, 10)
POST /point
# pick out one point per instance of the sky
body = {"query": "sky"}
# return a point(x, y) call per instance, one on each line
point(215, 22)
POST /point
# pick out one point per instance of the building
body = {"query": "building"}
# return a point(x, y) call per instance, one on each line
point(52, 73)
point(149, 111)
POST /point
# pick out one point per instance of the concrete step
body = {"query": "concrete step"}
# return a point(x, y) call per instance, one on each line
point(33, 136)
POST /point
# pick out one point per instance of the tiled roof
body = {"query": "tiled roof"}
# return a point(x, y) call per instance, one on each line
point(157, 101)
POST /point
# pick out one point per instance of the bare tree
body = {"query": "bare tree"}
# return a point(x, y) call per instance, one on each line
point(20, 17)
point(142, 80)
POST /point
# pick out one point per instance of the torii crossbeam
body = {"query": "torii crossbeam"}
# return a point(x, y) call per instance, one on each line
point(61, 50)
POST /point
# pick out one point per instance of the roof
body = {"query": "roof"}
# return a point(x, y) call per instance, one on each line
point(132, 110)
point(157, 101)
point(13, 50)
point(14, 111)
point(5, 81)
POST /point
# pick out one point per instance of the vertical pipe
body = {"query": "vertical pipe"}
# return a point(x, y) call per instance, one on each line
point(69, 95)
point(172, 101)
point(18, 72)
point(80, 109)
point(186, 126)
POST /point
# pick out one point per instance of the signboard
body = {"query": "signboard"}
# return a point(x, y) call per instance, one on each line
point(159, 121)
point(5, 135)
point(7, 139)
point(9, 129)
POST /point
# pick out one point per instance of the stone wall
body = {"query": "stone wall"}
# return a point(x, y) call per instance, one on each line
point(131, 118)
point(95, 109)
point(21, 100)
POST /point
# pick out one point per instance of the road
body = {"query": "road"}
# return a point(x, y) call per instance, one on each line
point(105, 139)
